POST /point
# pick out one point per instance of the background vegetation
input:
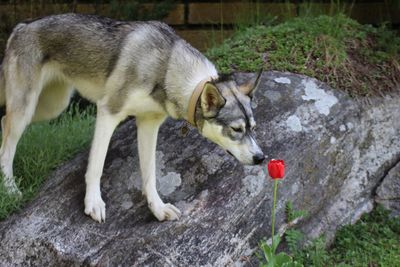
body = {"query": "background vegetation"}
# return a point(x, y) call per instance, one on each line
point(373, 241)
point(361, 59)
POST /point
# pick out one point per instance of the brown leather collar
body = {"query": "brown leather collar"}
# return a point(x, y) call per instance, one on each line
point(194, 99)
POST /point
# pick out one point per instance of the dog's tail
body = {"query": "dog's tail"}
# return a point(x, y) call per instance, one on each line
point(2, 87)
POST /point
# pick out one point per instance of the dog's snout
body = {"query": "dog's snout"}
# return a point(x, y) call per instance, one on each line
point(258, 158)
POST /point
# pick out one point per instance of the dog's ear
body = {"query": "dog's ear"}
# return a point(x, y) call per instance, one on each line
point(211, 100)
point(250, 87)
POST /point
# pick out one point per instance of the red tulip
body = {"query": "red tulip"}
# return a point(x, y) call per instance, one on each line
point(276, 168)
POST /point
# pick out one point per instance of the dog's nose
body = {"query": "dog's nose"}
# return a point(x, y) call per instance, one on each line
point(258, 158)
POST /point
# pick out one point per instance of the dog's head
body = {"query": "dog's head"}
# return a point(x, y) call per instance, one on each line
point(227, 118)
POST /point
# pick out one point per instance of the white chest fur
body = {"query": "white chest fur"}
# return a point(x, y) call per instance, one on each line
point(140, 102)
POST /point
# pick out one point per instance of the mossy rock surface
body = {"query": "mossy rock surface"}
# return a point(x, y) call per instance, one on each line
point(361, 59)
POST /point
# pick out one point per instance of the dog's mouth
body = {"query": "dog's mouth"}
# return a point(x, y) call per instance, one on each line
point(230, 153)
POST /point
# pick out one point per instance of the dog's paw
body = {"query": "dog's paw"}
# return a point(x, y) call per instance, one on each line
point(95, 207)
point(12, 188)
point(165, 212)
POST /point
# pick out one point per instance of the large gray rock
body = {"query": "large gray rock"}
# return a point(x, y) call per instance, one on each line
point(388, 193)
point(337, 151)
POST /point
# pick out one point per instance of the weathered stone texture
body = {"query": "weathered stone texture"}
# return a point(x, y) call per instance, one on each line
point(388, 193)
point(337, 151)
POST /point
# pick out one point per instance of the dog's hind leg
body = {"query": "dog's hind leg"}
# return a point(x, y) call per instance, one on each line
point(53, 100)
point(147, 127)
point(22, 91)
point(105, 125)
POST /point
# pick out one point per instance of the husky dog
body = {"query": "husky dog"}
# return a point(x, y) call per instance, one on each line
point(127, 68)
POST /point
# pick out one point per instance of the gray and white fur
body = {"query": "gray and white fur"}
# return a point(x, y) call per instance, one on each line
point(141, 69)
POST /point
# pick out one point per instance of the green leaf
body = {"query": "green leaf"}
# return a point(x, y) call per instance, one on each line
point(282, 258)
point(297, 264)
point(275, 243)
point(268, 254)
point(292, 264)
point(272, 263)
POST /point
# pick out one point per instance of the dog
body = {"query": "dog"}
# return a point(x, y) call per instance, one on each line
point(141, 69)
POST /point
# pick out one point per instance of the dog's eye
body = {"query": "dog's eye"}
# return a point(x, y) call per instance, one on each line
point(237, 130)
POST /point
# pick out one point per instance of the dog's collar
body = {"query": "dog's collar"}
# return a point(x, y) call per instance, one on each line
point(194, 99)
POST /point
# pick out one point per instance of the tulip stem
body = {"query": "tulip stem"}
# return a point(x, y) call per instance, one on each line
point(273, 209)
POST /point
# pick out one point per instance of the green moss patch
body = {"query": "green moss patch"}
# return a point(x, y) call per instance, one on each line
point(361, 59)
point(372, 241)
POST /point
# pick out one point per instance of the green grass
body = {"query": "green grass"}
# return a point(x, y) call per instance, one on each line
point(360, 59)
point(41, 149)
point(373, 241)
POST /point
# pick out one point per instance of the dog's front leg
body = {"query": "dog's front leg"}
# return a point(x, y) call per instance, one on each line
point(105, 125)
point(147, 127)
